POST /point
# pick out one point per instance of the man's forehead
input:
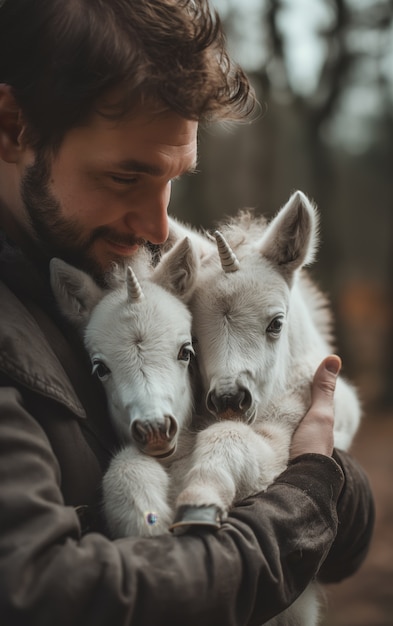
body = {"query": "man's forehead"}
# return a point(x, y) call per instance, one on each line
point(142, 143)
point(143, 167)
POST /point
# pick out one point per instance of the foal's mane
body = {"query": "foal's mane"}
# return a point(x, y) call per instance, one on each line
point(243, 228)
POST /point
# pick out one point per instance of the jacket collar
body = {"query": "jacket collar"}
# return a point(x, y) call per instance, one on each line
point(26, 356)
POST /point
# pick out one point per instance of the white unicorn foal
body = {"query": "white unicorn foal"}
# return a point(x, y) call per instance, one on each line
point(139, 341)
point(261, 333)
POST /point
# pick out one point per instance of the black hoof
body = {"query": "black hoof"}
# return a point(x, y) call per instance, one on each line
point(189, 517)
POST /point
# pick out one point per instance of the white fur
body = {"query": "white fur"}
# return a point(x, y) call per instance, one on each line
point(146, 384)
point(257, 384)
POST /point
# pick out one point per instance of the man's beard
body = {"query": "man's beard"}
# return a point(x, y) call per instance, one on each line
point(57, 236)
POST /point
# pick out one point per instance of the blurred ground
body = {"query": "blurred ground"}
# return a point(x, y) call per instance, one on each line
point(366, 599)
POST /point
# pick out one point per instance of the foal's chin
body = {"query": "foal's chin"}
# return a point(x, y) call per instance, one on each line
point(159, 452)
point(247, 417)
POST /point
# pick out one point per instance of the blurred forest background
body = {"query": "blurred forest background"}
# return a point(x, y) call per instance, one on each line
point(323, 72)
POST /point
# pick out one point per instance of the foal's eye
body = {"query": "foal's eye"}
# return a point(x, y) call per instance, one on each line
point(275, 326)
point(100, 369)
point(185, 352)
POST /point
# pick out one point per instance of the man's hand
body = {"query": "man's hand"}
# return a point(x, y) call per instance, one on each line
point(315, 431)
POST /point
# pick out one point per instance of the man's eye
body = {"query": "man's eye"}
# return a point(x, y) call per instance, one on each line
point(122, 180)
point(100, 369)
point(275, 326)
point(185, 352)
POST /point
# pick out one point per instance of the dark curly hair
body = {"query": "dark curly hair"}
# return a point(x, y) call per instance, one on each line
point(62, 57)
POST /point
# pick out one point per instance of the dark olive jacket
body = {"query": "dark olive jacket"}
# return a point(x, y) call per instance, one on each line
point(57, 567)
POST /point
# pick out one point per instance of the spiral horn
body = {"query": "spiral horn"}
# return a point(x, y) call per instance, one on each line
point(228, 258)
point(134, 290)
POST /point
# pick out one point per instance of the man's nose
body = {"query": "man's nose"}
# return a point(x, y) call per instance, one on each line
point(150, 221)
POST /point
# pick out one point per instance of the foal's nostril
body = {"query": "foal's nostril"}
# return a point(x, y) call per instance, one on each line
point(212, 402)
point(138, 432)
point(245, 400)
point(171, 427)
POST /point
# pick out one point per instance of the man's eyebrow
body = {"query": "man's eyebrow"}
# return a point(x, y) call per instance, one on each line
point(133, 165)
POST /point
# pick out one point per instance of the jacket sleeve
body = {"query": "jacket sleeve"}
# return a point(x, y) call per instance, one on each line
point(356, 515)
point(252, 568)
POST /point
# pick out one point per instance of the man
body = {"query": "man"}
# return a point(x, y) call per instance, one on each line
point(99, 110)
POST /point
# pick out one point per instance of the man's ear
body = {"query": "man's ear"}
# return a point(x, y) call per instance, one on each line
point(11, 126)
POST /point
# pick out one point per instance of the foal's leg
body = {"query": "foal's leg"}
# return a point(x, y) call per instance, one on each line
point(135, 489)
point(230, 461)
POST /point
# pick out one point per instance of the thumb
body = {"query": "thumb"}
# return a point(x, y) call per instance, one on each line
point(315, 430)
point(324, 383)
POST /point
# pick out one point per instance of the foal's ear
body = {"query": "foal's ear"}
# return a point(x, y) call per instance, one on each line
point(75, 292)
point(177, 270)
point(291, 237)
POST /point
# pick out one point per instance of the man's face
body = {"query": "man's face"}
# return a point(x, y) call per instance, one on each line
point(108, 187)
